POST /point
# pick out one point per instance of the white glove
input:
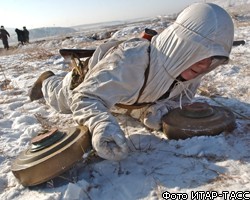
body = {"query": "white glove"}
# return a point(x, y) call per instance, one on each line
point(110, 142)
point(153, 115)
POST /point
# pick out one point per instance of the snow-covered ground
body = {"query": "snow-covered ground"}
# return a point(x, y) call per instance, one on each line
point(155, 164)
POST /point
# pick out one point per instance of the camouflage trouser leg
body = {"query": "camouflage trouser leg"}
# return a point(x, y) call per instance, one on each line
point(78, 73)
point(57, 93)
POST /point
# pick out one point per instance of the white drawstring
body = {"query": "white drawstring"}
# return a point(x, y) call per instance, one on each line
point(186, 90)
point(180, 100)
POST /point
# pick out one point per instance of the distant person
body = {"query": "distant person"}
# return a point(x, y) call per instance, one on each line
point(26, 35)
point(20, 36)
point(146, 77)
point(4, 37)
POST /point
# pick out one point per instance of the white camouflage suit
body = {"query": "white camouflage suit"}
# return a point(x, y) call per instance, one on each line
point(116, 75)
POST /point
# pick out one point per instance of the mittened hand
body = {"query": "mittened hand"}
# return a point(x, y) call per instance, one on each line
point(110, 143)
point(153, 115)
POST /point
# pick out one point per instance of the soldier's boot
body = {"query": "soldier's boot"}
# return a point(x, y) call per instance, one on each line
point(36, 90)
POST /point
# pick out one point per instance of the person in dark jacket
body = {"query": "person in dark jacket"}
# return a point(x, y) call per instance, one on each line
point(4, 36)
point(26, 35)
point(20, 36)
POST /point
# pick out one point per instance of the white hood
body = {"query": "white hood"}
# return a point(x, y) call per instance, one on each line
point(200, 31)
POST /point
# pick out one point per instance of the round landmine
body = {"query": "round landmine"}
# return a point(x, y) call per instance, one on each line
point(50, 154)
point(197, 119)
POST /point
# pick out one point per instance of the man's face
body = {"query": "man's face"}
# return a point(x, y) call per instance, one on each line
point(197, 69)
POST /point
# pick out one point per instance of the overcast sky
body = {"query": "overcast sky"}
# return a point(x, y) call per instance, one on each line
point(43, 13)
